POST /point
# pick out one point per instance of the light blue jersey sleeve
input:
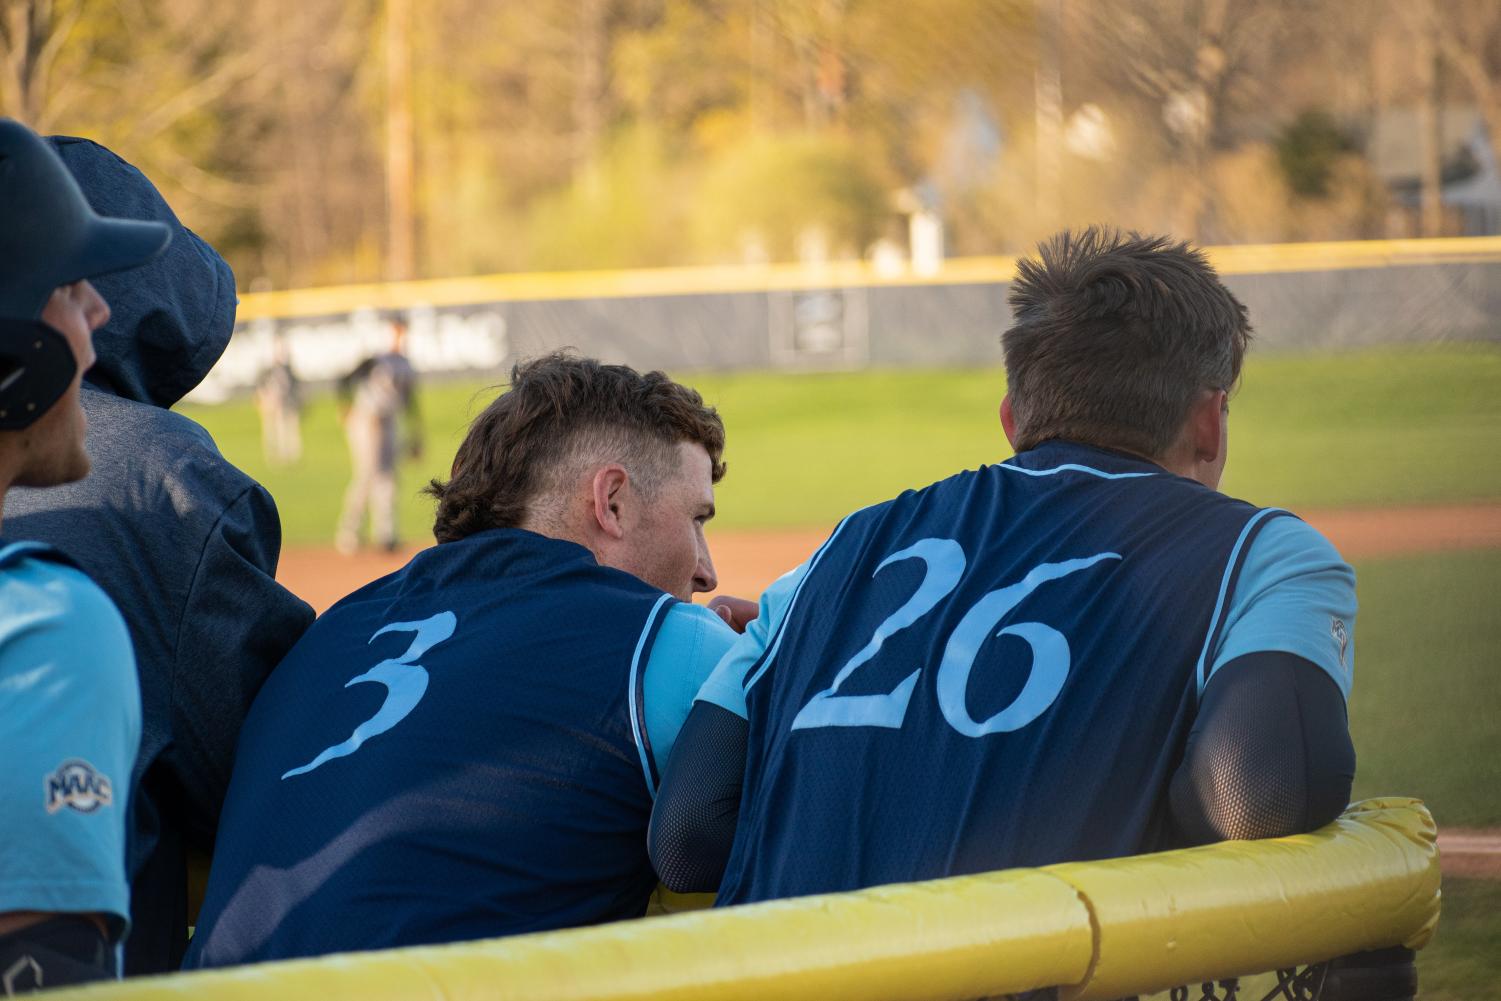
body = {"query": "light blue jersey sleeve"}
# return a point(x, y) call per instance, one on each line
point(690, 643)
point(726, 686)
point(1295, 595)
point(70, 720)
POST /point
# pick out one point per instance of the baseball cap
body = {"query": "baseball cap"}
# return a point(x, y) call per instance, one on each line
point(49, 235)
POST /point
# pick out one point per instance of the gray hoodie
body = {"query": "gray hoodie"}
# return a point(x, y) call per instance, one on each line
point(184, 543)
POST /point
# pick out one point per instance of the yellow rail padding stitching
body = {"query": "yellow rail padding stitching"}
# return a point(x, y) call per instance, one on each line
point(1368, 880)
point(1109, 928)
point(1230, 260)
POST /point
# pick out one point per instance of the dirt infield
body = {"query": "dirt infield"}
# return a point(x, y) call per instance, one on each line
point(1470, 854)
point(748, 561)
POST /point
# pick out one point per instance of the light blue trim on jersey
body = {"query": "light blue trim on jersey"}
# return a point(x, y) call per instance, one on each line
point(725, 687)
point(776, 643)
point(1219, 602)
point(631, 692)
point(1073, 467)
point(1296, 595)
point(688, 646)
point(71, 703)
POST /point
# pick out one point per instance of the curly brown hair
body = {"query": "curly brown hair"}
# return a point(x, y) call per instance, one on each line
point(560, 412)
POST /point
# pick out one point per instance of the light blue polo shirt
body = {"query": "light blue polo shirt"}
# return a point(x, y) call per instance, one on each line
point(692, 641)
point(70, 709)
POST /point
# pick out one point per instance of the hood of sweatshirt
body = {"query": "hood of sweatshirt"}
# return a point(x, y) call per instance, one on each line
point(171, 319)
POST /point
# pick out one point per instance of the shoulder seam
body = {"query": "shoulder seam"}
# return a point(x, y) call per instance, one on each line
point(1237, 557)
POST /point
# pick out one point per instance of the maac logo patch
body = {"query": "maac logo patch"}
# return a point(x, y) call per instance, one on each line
point(77, 784)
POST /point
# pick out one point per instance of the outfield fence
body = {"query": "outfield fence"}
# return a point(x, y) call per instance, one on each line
point(840, 315)
point(1096, 930)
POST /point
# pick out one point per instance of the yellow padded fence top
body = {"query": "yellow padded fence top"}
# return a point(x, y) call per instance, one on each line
point(1100, 929)
point(1230, 260)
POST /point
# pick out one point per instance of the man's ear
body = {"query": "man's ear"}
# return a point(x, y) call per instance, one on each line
point(1207, 423)
point(1008, 420)
point(607, 494)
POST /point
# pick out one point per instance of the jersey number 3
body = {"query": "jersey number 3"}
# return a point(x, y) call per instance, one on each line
point(945, 561)
point(405, 681)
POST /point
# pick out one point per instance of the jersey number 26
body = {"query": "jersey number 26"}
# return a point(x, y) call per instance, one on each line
point(945, 561)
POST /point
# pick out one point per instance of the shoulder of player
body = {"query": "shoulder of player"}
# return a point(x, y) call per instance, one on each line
point(689, 615)
point(146, 460)
point(694, 634)
point(697, 622)
point(1288, 543)
point(1289, 565)
point(902, 502)
point(39, 593)
point(156, 448)
point(80, 596)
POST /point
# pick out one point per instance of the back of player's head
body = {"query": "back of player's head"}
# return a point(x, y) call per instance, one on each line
point(562, 415)
point(1115, 336)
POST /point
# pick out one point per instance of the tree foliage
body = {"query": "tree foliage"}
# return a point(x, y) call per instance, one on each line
point(601, 133)
point(1309, 149)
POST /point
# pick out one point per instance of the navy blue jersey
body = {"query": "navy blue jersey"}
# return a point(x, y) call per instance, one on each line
point(998, 670)
point(490, 783)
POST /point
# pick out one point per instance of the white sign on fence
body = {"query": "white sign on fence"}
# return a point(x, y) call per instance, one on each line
point(323, 350)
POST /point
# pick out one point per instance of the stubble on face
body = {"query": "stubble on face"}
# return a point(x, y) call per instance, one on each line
point(53, 450)
point(670, 551)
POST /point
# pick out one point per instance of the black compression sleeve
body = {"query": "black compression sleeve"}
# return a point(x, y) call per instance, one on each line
point(1269, 755)
point(698, 803)
point(63, 949)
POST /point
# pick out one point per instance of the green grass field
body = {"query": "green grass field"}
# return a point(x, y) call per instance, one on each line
point(1426, 707)
point(1425, 713)
point(1369, 429)
point(1462, 963)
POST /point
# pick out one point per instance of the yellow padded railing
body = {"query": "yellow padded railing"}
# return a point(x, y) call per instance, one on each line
point(1100, 929)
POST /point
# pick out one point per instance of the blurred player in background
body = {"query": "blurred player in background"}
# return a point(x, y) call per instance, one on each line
point(70, 709)
point(1081, 653)
point(531, 673)
point(184, 543)
point(378, 405)
point(278, 399)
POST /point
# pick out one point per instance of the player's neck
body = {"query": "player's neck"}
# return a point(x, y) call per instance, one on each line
point(1132, 453)
point(546, 518)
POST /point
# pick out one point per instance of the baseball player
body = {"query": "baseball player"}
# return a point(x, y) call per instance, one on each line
point(1083, 652)
point(278, 399)
point(69, 702)
point(184, 543)
point(380, 390)
point(470, 746)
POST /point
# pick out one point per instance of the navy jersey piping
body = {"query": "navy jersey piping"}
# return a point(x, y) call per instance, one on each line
point(637, 692)
point(1233, 567)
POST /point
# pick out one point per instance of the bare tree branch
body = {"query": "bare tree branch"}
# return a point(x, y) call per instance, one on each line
point(204, 92)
